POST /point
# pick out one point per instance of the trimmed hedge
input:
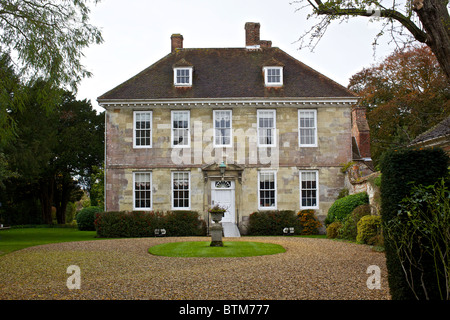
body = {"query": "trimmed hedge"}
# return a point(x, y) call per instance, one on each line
point(400, 171)
point(86, 217)
point(143, 224)
point(341, 208)
point(272, 223)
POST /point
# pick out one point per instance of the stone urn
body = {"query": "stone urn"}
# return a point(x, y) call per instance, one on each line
point(216, 228)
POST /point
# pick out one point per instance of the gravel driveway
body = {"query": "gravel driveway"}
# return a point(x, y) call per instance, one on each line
point(310, 269)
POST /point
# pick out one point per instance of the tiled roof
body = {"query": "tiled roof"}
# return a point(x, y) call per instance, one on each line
point(440, 130)
point(227, 73)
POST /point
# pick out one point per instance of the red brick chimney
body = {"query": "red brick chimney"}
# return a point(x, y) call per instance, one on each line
point(252, 34)
point(252, 38)
point(360, 130)
point(177, 42)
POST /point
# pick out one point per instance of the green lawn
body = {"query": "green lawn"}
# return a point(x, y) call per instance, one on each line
point(203, 249)
point(16, 239)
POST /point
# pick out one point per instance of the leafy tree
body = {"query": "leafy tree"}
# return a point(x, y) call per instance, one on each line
point(426, 21)
point(405, 95)
point(46, 39)
point(54, 152)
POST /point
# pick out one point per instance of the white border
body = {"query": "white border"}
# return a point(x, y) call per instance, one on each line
point(266, 76)
point(175, 83)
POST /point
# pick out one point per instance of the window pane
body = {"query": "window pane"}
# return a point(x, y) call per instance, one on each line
point(180, 128)
point(266, 127)
point(142, 128)
point(183, 76)
point(307, 127)
point(222, 125)
point(267, 191)
point(180, 186)
point(308, 188)
point(142, 190)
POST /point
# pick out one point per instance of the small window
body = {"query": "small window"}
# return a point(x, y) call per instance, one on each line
point(273, 76)
point(222, 128)
point(267, 190)
point(142, 133)
point(183, 76)
point(309, 183)
point(181, 135)
point(266, 127)
point(181, 190)
point(307, 128)
point(142, 190)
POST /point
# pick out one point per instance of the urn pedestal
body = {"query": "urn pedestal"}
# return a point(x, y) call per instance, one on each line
point(216, 229)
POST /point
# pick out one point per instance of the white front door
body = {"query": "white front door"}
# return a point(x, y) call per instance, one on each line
point(222, 194)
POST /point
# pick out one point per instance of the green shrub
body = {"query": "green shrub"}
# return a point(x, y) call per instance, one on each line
point(369, 230)
point(341, 208)
point(349, 229)
point(184, 223)
point(86, 217)
point(271, 223)
point(143, 224)
point(333, 229)
point(124, 224)
point(401, 170)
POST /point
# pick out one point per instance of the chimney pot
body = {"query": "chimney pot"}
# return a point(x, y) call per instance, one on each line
point(265, 43)
point(177, 42)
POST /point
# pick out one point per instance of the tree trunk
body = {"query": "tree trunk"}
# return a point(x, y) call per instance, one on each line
point(436, 21)
point(62, 198)
point(46, 197)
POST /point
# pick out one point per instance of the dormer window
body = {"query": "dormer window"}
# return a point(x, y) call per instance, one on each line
point(273, 76)
point(182, 73)
point(183, 76)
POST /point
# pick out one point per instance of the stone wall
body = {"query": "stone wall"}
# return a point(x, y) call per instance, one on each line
point(359, 179)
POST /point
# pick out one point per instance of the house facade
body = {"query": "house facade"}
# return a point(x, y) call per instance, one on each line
point(248, 128)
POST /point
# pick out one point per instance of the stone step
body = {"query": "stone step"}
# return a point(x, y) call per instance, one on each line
point(230, 230)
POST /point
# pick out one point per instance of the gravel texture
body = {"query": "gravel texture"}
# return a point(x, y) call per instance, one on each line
point(310, 269)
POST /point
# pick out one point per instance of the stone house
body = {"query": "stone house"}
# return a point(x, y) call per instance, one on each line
point(249, 128)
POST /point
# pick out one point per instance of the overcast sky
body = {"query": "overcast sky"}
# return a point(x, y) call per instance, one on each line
point(137, 34)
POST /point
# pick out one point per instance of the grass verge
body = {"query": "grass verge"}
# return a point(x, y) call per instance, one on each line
point(16, 239)
point(203, 249)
